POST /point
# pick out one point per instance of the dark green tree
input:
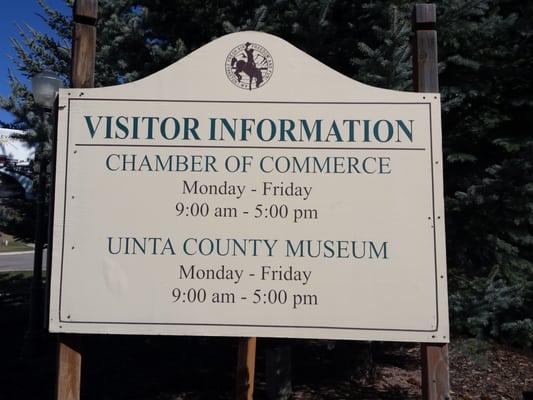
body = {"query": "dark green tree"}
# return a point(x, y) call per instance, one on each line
point(389, 63)
point(486, 51)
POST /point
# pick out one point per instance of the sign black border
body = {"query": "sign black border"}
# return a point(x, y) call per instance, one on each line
point(429, 104)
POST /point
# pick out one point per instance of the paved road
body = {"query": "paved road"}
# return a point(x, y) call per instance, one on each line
point(18, 262)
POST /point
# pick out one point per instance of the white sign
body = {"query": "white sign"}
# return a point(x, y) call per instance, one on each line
point(249, 190)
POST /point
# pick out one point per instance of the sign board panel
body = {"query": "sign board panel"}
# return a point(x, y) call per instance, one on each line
point(249, 190)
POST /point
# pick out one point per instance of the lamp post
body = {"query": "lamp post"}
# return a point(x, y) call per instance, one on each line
point(45, 86)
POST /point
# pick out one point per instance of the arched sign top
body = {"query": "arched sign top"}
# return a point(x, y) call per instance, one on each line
point(251, 66)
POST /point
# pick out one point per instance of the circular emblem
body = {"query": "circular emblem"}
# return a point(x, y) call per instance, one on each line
point(249, 66)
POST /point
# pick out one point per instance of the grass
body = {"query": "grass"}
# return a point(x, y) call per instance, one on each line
point(13, 245)
point(5, 276)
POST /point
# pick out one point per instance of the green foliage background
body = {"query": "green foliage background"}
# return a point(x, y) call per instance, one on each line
point(485, 52)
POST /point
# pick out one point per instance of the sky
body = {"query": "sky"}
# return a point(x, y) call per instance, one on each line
point(19, 12)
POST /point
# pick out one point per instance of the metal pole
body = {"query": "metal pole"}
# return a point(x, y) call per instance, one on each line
point(35, 325)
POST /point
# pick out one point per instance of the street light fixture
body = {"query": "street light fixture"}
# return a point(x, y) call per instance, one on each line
point(45, 86)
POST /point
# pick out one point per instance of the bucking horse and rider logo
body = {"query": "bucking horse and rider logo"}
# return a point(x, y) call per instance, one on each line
point(249, 66)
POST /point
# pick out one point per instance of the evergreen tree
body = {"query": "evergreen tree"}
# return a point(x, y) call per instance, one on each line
point(486, 50)
point(389, 65)
point(35, 52)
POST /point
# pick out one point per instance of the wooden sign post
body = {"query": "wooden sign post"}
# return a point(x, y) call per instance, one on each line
point(69, 357)
point(84, 43)
point(245, 368)
point(435, 368)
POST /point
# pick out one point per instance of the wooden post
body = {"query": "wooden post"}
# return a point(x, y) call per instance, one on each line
point(435, 371)
point(435, 365)
point(69, 355)
point(84, 43)
point(69, 367)
point(425, 68)
point(245, 368)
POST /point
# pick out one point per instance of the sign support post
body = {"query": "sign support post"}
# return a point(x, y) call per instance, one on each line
point(245, 368)
point(69, 356)
point(435, 366)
